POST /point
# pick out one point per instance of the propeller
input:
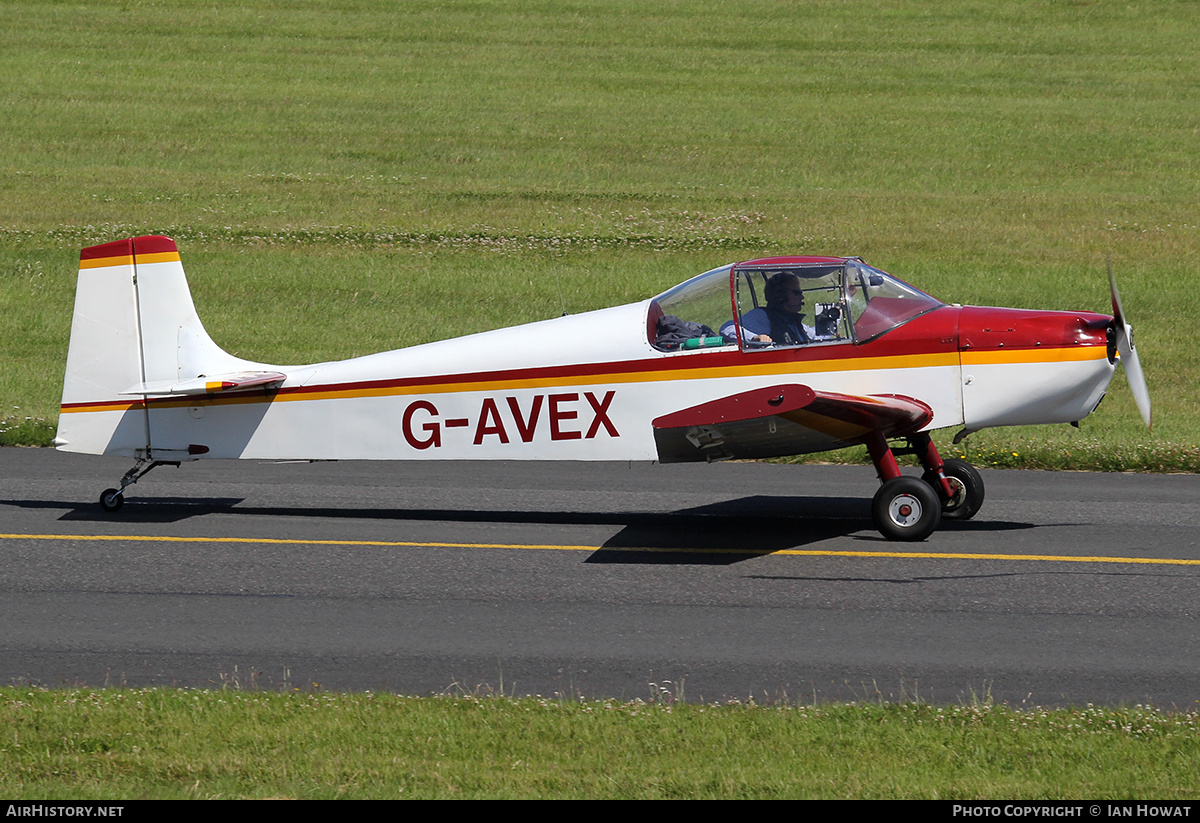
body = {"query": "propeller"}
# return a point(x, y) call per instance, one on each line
point(1129, 357)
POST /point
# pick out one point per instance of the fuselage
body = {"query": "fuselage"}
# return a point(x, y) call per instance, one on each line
point(585, 387)
point(588, 386)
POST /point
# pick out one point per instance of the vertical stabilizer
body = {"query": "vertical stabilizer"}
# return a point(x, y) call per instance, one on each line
point(134, 326)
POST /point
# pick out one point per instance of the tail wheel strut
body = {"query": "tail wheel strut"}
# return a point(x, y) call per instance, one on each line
point(111, 500)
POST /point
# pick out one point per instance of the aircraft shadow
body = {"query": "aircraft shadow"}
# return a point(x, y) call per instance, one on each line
point(734, 530)
point(715, 534)
point(145, 510)
point(725, 523)
point(737, 530)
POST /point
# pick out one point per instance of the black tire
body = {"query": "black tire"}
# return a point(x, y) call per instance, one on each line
point(906, 508)
point(112, 500)
point(964, 477)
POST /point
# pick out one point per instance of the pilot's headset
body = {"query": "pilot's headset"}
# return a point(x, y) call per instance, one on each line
point(777, 283)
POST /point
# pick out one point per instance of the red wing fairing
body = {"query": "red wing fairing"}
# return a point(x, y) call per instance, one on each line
point(783, 420)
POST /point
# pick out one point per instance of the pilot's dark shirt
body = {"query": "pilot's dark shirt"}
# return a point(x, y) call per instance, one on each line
point(784, 328)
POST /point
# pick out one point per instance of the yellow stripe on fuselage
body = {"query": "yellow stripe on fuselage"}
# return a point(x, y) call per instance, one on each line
point(1048, 354)
point(117, 406)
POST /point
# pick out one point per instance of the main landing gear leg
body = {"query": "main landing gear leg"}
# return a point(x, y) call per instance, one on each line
point(957, 482)
point(905, 508)
point(112, 500)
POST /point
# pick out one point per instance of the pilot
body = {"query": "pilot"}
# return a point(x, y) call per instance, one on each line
point(779, 323)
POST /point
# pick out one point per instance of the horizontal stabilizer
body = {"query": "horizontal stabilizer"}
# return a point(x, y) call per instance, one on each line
point(210, 384)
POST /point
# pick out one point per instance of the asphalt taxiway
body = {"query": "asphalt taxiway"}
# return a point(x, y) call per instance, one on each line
point(734, 580)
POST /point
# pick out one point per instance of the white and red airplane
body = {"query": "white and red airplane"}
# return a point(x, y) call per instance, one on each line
point(827, 352)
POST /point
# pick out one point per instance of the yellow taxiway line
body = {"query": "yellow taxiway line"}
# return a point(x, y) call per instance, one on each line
point(1046, 558)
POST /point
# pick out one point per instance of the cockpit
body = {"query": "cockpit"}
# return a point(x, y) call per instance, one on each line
point(783, 302)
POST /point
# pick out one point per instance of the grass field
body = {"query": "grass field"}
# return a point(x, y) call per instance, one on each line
point(338, 175)
point(176, 744)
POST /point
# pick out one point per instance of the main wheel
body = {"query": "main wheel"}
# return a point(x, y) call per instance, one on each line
point(906, 508)
point(111, 500)
point(968, 489)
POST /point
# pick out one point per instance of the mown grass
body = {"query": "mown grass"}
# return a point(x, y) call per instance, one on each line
point(345, 177)
point(89, 744)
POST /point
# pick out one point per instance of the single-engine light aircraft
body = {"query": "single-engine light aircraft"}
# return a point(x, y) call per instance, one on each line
point(770, 357)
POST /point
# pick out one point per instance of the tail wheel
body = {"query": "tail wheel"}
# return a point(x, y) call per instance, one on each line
point(906, 508)
point(968, 489)
point(111, 500)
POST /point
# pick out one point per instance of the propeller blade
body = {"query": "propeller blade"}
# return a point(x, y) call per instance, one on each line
point(1129, 358)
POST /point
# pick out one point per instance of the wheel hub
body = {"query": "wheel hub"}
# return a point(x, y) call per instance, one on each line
point(905, 510)
point(960, 493)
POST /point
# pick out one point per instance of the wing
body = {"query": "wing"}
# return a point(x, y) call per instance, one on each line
point(782, 420)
